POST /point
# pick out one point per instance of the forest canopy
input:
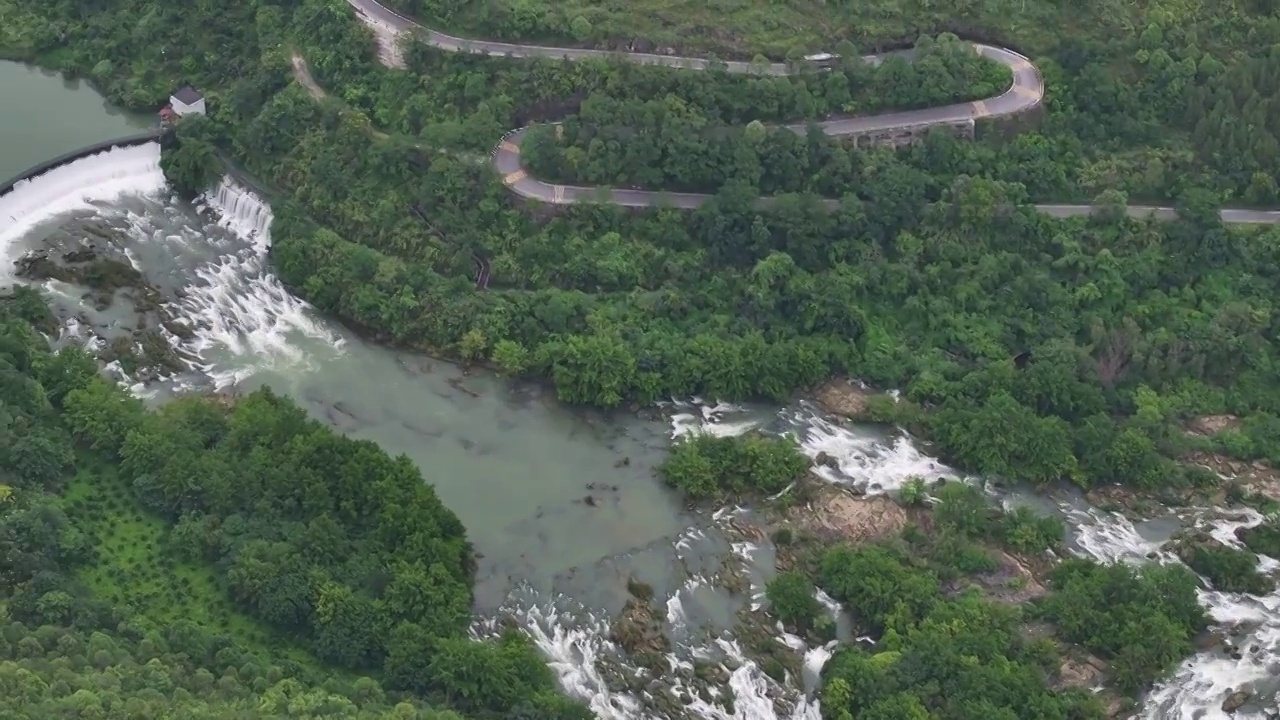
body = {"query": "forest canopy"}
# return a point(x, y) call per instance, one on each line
point(210, 559)
point(931, 275)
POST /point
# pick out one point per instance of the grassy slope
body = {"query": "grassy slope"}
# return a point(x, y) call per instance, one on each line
point(134, 569)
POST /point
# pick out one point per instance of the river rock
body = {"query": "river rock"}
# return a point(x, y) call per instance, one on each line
point(638, 630)
point(1013, 583)
point(180, 327)
point(1209, 639)
point(838, 515)
point(1083, 673)
point(35, 265)
point(80, 255)
point(1213, 424)
point(840, 396)
point(1235, 701)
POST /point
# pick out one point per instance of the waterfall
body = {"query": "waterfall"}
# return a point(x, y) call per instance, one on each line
point(242, 319)
point(82, 184)
point(242, 212)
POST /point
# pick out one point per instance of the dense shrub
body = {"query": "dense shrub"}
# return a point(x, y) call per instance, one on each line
point(707, 466)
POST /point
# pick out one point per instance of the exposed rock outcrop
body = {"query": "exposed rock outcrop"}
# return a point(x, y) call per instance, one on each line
point(1256, 478)
point(1012, 582)
point(1212, 424)
point(638, 630)
point(841, 396)
point(1081, 670)
point(835, 515)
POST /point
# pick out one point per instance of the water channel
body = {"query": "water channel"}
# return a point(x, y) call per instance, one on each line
point(562, 506)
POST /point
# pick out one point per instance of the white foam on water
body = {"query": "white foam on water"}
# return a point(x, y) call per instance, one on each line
point(687, 537)
point(1109, 537)
point(1195, 692)
point(573, 650)
point(1197, 689)
point(243, 307)
point(89, 183)
point(862, 459)
point(239, 306)
point(753, 692)
point(243, 319)
point(577, 646)
point(676, 614)
point(696, 417)
point(832, 605)
point(235, 304)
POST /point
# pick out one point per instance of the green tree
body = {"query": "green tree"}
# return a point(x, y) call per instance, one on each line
point(792, 600)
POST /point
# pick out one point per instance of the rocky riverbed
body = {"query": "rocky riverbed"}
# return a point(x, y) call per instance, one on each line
point(143, 338)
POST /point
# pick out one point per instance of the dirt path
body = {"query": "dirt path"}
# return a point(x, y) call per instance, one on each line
point(302, 74)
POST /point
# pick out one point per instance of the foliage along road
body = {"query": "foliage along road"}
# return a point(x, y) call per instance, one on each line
point(1026, 92)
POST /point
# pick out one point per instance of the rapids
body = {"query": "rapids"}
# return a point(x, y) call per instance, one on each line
point(512, 463)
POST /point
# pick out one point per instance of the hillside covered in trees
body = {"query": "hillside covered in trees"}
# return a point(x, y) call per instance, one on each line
point(231, 558)
point(930, 276)
point(215, 561)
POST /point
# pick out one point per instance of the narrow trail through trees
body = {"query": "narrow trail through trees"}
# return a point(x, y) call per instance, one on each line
point(1025, 93)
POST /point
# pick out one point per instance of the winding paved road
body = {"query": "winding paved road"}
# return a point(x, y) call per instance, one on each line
point(1026, 92)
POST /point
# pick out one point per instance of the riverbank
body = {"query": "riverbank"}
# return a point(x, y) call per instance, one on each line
point(240, 273)
point(748, 585)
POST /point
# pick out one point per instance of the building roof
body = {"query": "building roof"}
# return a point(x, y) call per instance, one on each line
point(188, 95)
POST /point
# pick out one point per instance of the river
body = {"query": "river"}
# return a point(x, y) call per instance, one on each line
point(563, 507)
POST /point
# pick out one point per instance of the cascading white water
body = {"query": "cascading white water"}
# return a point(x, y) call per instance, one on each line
point(577, 642)
point(88, 183)
point(234, 304)
point(1195, 691)
point(240, 308)
point(875, 465)
point(872, 464)
point(1109, 537)
point(242, 212)
point(237, 308)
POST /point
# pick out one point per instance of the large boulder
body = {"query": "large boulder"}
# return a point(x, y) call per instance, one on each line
point(1235, 701)
point(841, 396)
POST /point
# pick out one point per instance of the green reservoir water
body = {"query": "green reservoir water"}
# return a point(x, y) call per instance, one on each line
point(54, 116)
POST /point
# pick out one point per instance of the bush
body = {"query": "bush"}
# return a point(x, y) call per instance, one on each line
point(1142, 619)
point(792, 600)
point(705, 466)
point(1025, 531)
point(1263, 539)
point(914, 492)
point(1229, 569)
